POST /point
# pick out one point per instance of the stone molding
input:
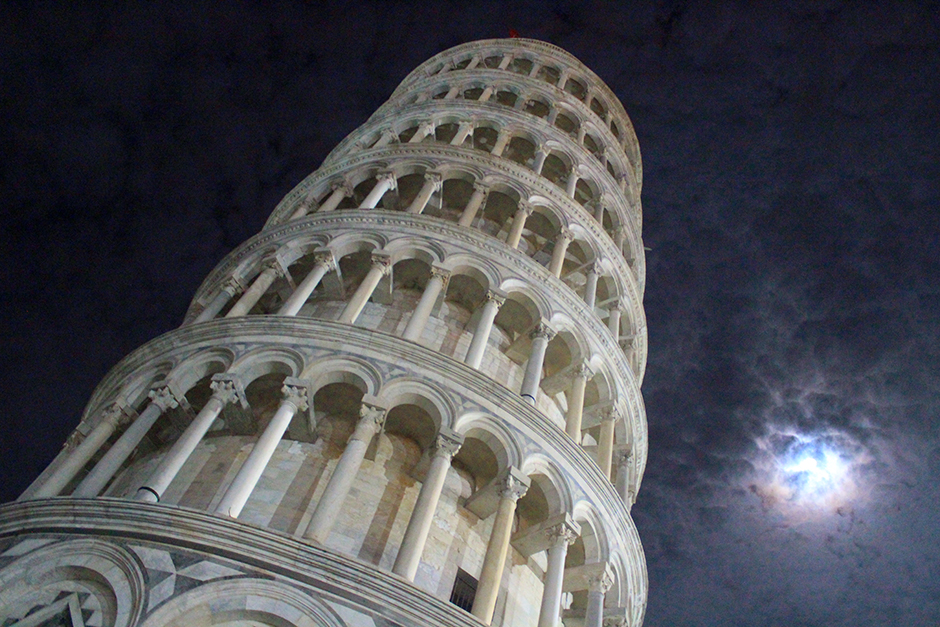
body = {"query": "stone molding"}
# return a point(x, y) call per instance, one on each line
point(479, 393)
point(472, 241)
point(323, 570)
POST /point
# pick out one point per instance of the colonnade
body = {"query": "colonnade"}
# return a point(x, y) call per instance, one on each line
point(510, 485)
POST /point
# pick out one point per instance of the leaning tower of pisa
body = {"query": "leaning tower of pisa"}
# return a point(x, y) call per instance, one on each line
point(412, 399)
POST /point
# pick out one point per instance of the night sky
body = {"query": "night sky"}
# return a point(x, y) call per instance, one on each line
point(790, 203)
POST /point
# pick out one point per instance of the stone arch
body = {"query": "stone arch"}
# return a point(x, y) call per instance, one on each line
point(269, 360)
point(487, 442)
point(430, 398)
point(343, 369)
point(199, 366)
point(136, 390)
point(548, 493)
point(231, 601)
point(109, 574)
point(593, 532)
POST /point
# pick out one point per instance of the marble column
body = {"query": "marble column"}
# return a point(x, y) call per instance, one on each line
point(341, 191)
point(571, 185)
point(384, 182)
point(623, 461)
point(387, 137)
point(518, 224)
point(502, 140)
point(477, 199)
point(323, 263)
point(613, 319)
point(582, 375)
point(432, 291)
point(512, 488)
point(463, 132)
point(271, 270)
point(419, 525)
point(481, 334)
point(590, 287)
point(294, 400)
point(539, 161)
point(562, 240)
point(598, 586)
point(226, 389)
point(550, 610)
point(371, 420)
point(432, 183)
point(114, 416)
point(605, 446)
point(423, 131)
point(161, 399)
point(226, 293)
point(541, 336)
point(381, 266)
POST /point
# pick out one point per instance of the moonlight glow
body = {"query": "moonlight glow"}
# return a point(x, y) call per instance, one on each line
point(811, 471)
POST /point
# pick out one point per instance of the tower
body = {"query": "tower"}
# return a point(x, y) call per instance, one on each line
point(411, 399)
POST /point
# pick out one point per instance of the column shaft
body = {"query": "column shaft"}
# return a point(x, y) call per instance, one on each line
point(590, 288)
point(364, 292)
point(576, 405)
point(613, 321)
point(558, 255)
point(550, 609)
point(221, 299)
point(254, 293)
point(385, 183)
point(481, 334)
point(594, 614)
point(154, 487)
point(334, 495)
point(95, 481)
point(331, 203)
point(80, 456)
point(473, 206)
point(296, 300)
point(533, 368)
point(494, 561)
point(518, 224)
point(605, 447)
point(248, 475)
point(419, 319)
point(432, 184)
point(419, 525)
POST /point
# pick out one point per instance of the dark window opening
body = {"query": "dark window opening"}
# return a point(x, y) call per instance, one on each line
point(465, 589)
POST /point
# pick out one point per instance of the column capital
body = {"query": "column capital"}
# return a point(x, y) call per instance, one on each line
point(602, 581)
point(498, 297)
point(75, 438)
point(390, 135)
point(382, 261)
point(118, 414)
point(294, 391)
point(389, 176)
point(233, 286)
point(563, 533)
point(597, 266)
point(436, 178)
point(343, 185)
point(227, 387)
point(525, 208)
point(542, 331)
point(612, 414)
point(585, 371)
point(447, 443)
point(481, 187)
point(622, 457)
point(564, 235)
point(163, 397)
point(273, 263)
point(372, 415)
point(443, 273)
point(513, 484)
point(325, 256)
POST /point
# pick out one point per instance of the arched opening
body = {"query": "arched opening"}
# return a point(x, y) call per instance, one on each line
point(484, 138)
point(454, 196)
point(497, 214)
point(520, 150)
point(556, 169)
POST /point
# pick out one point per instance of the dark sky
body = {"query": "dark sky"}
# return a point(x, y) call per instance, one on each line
point(790, 201)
